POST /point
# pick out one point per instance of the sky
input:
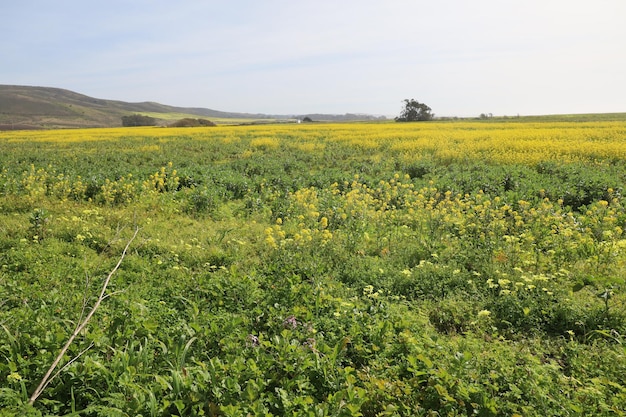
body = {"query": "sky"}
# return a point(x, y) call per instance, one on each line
point(460, 57)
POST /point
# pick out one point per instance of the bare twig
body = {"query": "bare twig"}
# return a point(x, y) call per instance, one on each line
point(67, 365)
point(46, 379)
point(112, 294)
point(85, 296)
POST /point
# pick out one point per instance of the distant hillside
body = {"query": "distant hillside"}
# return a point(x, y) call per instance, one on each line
point(45, 107)
point(23, 107)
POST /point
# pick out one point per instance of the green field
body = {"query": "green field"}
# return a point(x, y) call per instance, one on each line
point(434, 269)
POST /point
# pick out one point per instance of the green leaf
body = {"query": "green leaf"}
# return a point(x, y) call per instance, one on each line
point(425, 360)
point(180, 406)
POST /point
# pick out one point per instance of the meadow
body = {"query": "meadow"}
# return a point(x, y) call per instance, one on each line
point(460, 268)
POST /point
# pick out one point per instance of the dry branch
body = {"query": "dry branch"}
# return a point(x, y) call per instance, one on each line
point(46, 379)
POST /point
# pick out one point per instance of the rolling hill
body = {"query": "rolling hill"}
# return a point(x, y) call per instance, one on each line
point(26, 107)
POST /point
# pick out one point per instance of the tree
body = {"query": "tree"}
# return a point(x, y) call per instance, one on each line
point(138, 120)
point(190, 122)
point(415, 111)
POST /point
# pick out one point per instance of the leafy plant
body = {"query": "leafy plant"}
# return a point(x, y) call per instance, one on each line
point(458, 268)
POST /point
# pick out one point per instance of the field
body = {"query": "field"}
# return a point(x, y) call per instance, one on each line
point(364, 269)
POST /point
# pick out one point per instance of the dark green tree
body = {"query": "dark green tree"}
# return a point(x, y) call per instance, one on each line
point(138, 120)
point(190, 122)
point(414, 111)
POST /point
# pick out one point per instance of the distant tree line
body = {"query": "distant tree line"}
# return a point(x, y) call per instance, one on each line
point(141, 120)
point(189, 122)
point(138, 120)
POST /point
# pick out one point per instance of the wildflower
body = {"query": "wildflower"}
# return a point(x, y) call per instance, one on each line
point(252, 341)
point(269, 239)
point(290, 322)
point(310, 343)
point(14, 377)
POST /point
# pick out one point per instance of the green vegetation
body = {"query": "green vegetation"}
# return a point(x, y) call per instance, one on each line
point(138, 120)
point(26, 107)
point(306, 270)
point(190, 122)
point(414, 111)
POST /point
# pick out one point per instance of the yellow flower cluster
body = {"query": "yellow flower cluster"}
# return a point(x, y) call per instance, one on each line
point(166, 179)
point(265, 143)
point(506, 142)
point(542, 237)
point(304, 224)
point(37, 183)
point(120, 191)
point(518, 280)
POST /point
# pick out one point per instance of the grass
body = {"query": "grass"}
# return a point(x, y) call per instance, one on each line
point(458, 268)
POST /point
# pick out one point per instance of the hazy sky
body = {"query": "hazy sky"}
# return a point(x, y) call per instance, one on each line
point(460, 57)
